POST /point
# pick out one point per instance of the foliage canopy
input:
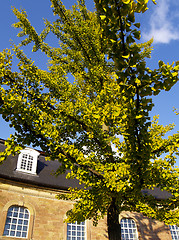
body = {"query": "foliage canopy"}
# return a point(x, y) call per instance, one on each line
point(98, 126)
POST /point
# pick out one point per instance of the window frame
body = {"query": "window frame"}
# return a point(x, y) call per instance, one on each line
point(32, 156)
point(4, 216)
point(127, 228)
point(77, 228)
point(19, 217)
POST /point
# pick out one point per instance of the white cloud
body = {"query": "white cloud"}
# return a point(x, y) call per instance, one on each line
point(163, 23)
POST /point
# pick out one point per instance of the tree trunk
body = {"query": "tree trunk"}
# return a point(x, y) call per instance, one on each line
point(114, 228)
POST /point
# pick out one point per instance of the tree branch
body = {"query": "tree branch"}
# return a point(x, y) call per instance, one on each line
point(102, 143)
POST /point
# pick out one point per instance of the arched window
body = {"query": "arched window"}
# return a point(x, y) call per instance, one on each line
point(17, 222)
point(76, 231)
point(128, 229)
point(174, 232)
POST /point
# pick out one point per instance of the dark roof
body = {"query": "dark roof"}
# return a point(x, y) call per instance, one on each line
point(46, 178)
point(45, 173)
point(157, 193)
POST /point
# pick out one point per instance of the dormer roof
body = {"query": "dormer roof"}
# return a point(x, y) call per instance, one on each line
point(27, 160)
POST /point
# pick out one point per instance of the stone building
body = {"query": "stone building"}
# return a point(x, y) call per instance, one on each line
point(29, 208)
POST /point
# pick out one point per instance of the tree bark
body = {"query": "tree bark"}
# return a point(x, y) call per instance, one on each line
point(114, 227)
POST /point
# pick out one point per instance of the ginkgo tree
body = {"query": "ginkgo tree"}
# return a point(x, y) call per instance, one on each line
point(91, 110)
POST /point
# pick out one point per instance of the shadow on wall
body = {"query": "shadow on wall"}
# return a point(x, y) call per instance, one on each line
point(148, 228)
point(151, 229)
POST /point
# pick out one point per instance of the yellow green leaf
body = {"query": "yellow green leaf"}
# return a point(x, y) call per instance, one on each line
point(174, 74)
point(154, 2)
point(112, 40)
point(139, 116)
point(102, 17)
point(137, 81)
point(126, 56)
point(126, 1)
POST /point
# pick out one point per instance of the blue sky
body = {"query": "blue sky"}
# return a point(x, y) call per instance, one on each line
point(160, 22)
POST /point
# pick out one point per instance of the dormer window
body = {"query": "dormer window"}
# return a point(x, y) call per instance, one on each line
point(27, 161)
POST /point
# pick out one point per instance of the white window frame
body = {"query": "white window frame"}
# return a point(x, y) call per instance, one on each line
point(32, 156)
point(128, 229)
point(17, 222)
point(174, 230)
point(76, 231)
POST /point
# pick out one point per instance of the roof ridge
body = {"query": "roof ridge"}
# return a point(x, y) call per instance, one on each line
point(2, 140)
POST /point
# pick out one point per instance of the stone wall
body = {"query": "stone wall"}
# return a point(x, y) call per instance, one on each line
point(148, 229)
point(47, 215)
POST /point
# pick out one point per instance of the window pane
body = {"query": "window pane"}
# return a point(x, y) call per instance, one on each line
point(8, 220)
point(128, 229)
point(16, 224)
point(24, 234)
point(12, 233)
point(20, 221)
point(18, 234)
point(19, 227)
point(6, 233)
point(14, 221)
point(9, 214)
point(21, 215)
point(13, 227)
point(7, 226)
point(25, 222)
point(15, 214)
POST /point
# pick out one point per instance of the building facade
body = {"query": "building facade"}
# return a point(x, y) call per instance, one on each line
point(29, 208)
